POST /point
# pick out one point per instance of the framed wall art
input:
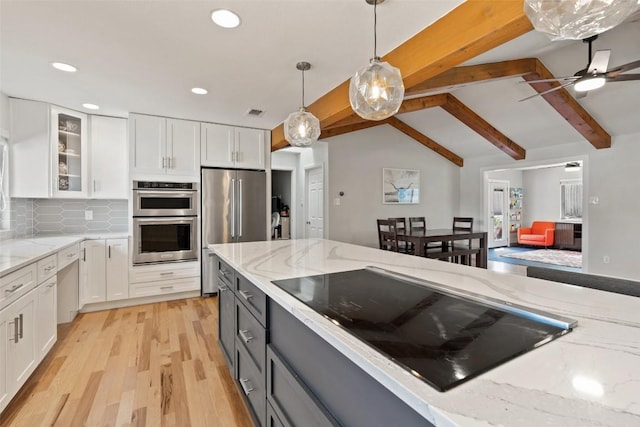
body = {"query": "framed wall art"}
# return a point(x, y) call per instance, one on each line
point(400, 186)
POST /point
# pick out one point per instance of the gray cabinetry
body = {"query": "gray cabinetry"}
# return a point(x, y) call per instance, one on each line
point(568, 235)
point(242, 335)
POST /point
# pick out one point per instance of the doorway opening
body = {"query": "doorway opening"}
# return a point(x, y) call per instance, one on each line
point(282, 198)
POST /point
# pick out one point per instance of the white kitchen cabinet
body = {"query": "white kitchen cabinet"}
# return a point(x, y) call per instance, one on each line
point(229, 146)
point(117, 269)
point(21, 341)
point(4, 394)
point(161, 146)
point(46, 317)
point(48, 151)
point(104, 270)
point(109, 158)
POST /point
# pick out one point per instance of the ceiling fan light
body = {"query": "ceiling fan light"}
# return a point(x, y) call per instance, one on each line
point(376, 91)
point(577, 19)
point(589, 83)
point(301, 128)
point(572, 167)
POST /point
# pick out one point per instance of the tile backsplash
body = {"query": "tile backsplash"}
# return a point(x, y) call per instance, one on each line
point(28, 217)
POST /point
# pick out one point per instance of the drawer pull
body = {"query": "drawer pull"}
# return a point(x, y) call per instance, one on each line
point(166, 287)
point(246, 295)
point(51, 285)
point(15, 288)
point(246, 387)
point(222, 287)
point(223, 273)
point(48, 269)
point(71, 255)
point(168, 273)
point(243, 334)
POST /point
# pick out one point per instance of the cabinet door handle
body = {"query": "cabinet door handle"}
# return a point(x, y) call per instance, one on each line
point(244, 335)
point(246, 295)
point(94, 186)
point(21, 319)
point(13, 289)
point(164, 163)
point(246, 387)
point(109, 251)
point(84, 254)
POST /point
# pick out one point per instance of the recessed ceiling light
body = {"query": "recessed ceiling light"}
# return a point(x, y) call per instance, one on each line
point(199, 91)
point(64, 67)
point(91, 106)
point(225, 18)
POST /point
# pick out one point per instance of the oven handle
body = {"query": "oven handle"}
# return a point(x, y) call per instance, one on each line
point(165, 193)
point(161, 220)
point(240, 207)
point(233, 208)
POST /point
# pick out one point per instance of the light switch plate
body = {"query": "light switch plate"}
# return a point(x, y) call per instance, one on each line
point(88, 215)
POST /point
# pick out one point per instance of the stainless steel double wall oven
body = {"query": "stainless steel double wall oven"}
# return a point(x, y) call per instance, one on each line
point(165, 221)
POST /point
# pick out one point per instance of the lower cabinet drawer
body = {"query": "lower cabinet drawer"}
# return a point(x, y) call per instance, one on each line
point(16, 284)
point(252, 297)
point(163, 287)
point(167, 271)
point(251, 335)
point(251, 382)
point(292, 401)
point(47, 267)
point(67, 255)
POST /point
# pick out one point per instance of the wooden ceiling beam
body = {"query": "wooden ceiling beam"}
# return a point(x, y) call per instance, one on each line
point(352, 127)
point(567, 106)
point(480, 126)
point(472, 28)
point(462, 76)
point(425, 140)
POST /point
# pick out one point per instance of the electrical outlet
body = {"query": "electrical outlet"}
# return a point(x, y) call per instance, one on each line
point(88, 215)
point(606, 259)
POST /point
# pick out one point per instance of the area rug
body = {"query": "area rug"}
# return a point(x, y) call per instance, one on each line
point(549, 256)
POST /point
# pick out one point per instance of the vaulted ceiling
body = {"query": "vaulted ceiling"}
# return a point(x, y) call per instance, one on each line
point(434, 71)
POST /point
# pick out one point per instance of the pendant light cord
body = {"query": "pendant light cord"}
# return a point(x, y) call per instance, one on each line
point(375, 24)
point(303, 89)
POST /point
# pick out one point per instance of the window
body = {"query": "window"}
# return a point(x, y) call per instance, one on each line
point(571, 199)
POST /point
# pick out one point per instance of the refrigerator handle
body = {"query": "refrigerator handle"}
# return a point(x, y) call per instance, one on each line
point(233, 208)
point(240, 207)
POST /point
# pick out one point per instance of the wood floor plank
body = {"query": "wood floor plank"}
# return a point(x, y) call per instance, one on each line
point(149, 365)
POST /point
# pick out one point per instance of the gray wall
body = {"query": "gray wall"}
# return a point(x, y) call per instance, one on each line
point(542, 193)
point(355, 167)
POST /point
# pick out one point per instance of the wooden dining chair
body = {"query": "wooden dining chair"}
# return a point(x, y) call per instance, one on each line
point(401, 228)
point(387, 235)
point(462, 224)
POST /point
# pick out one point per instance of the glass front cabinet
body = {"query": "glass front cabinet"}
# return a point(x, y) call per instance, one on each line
point(69, 149)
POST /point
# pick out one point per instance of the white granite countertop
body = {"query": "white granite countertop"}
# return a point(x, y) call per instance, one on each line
point(16, 253)
point(589, 377)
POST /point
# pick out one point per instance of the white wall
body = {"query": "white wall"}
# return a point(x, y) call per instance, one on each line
point(612, 175)
point(514, 176)
point(542, 193)
point(355, 167)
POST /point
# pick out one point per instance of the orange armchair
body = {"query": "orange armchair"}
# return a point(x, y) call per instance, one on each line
point(541, 233)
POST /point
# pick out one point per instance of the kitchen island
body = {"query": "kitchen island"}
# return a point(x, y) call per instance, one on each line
point(590, 376)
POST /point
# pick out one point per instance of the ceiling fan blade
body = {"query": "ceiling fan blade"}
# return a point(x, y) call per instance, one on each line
point(622, 68)
point(547, 91)
point(557, 79)
point(600, 62)
point(623, 77)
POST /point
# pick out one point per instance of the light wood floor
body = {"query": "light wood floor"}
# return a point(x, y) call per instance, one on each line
point(154, 365)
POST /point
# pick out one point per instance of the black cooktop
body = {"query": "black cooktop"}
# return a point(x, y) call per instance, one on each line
point(440, 335)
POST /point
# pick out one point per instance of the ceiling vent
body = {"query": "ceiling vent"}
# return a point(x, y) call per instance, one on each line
point(255, 112)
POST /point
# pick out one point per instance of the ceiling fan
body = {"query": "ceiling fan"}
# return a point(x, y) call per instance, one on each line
point(594, 76)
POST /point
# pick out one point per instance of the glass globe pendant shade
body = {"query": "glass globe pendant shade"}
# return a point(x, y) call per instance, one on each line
point(577, 19)
point(301, 128)
point(376, 91)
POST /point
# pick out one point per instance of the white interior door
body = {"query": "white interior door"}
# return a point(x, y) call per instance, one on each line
point(315, 203)
point(498, 213)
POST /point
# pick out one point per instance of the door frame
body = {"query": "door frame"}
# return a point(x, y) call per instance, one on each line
point(506, 222)
point(307, 170)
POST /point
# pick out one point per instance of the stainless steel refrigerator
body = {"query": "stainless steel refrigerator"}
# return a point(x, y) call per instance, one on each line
point(234, 209)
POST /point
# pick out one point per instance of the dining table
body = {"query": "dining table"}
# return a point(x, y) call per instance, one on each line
point(421, 237)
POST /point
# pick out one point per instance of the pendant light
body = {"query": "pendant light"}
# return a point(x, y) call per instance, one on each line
point(301, 128)
point(376, 90)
